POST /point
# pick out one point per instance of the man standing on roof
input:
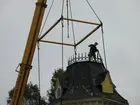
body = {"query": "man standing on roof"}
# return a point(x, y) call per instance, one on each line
point(93, 50)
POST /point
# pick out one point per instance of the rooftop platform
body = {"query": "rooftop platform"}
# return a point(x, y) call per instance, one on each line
point(82, 57)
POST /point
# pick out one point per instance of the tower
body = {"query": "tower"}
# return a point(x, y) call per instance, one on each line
point(87, 83)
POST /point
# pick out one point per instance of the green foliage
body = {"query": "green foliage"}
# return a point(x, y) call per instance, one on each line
point(51, 92)
point(31, 96)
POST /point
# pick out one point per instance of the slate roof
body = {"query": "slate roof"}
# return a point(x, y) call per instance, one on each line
point(82, 80)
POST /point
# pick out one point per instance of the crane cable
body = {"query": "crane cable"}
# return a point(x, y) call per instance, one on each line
point(73, 31)
point(38, 46)
point(46, 17)
point(104, 46)
point(67, 5)
point(102, 32)
point(62, 31)
point(94, 11)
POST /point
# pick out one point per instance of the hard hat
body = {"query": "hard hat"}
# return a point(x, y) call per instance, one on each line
point(95, 43)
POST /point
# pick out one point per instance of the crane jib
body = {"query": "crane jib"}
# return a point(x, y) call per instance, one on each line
point(28, 53)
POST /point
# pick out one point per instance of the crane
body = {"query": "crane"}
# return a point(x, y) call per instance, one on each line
point(25, 65)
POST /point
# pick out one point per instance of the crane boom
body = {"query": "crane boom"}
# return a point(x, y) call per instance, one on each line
point(25, 65)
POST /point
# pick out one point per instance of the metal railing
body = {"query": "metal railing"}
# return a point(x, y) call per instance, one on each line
point(81, 57)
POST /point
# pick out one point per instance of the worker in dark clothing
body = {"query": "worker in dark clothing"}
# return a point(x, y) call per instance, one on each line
point(93, 50)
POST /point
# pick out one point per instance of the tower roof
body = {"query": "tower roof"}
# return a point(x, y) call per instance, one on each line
point(84, 79)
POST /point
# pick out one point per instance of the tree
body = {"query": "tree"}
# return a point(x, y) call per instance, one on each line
point(31, 96)
point(51, 93)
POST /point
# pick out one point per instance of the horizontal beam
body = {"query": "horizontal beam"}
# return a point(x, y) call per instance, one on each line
point(59, 43)
point(50, 29)
point(81, 21)
point(88, 35)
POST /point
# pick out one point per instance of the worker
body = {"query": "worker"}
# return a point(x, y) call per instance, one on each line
point(93, 50)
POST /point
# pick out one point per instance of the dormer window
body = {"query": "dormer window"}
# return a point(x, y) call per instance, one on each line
point(58, 91)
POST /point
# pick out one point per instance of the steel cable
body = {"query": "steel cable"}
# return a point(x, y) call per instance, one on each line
point(73, 31)
point(46, 17)
point(101, 32)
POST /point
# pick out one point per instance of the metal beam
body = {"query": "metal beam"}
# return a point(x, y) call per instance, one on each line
point(50, 29)
point(88, 35)
point(81, 21)
point(53, 42)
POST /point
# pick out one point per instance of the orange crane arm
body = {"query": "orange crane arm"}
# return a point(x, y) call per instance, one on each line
point(25, 65)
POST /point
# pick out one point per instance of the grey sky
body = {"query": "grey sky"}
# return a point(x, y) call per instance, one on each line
point(121, 27)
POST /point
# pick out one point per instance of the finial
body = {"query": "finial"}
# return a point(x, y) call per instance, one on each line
point(68, 61)
point(81, 56)
point(78, 56)
point(85, 56)
point(73, 58)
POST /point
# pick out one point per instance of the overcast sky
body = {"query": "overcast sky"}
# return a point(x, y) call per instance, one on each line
point(121, 33)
